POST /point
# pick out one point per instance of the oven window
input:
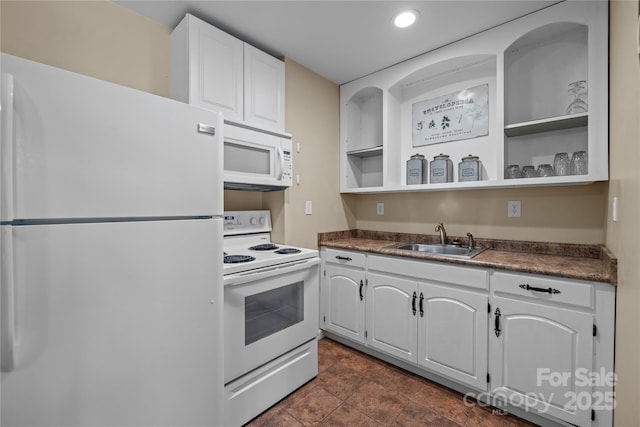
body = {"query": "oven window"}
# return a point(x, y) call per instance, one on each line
point(242, 158)
point(272, 311)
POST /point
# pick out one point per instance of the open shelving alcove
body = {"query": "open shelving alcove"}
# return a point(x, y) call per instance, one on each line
point(527, 66)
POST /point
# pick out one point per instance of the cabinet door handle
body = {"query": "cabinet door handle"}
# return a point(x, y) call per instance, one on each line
point(421, 306)
point(546, 290)
point(413, 303)
point(343, 258)
point(497, 322)
point(360, 290)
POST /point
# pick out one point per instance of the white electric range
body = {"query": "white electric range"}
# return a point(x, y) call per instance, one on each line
point(248, 246)
point(271, 305)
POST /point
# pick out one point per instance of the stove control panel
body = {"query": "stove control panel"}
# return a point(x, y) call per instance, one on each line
point(246, 222)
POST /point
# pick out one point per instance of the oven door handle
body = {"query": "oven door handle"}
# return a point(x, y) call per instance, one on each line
point(266, 272)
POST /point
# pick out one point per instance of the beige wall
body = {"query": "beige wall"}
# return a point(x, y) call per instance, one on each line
point(554, 214)
point(96, 38)
point(623, 236)
point(312, 116)
point(106, 41)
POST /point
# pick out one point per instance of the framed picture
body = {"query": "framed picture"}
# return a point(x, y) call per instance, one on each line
point(452, 117)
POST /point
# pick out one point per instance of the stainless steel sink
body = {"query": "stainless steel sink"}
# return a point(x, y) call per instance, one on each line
point(437, 249)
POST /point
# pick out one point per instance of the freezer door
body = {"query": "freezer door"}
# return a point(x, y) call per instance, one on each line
point(85, 148)
point(116, 324)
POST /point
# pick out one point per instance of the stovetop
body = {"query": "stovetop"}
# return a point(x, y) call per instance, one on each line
point(248, 246)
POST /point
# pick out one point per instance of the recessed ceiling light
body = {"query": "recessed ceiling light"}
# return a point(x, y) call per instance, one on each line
point(405, 18)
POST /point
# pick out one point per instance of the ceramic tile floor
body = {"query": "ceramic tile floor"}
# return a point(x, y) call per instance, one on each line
point(354, 389)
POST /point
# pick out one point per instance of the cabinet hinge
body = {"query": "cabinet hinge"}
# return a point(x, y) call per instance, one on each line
point(488, 377)
point(593, 415)
point(365, 334)
point(325, 273)
point(324, 319)
point(488, 307)
point(595, 330)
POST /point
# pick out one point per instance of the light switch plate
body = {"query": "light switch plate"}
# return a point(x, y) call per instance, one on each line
point(380, 208)
point(308, 207)
point(514, 209)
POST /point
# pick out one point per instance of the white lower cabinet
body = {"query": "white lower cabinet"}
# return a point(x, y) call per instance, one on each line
point(342, 294)
point(538, 352)
point(452, 333)
point(540, 345)
point(391, 313)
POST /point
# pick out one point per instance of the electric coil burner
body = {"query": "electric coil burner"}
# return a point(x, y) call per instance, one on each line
point(264, 247)
point(270, 314)
point(286, 251)
point(234, 259)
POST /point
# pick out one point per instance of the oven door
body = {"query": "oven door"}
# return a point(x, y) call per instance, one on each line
point(268, 312)
point(255, 160)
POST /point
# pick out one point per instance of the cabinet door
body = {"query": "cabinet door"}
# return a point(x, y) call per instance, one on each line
point(263, 89)
point(540, 355)
point(391, 318)
point(215, 70)
point(343, 290)
point(452, 333)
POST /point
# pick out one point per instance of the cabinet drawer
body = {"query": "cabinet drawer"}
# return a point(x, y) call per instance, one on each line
point(431, 271)
point(544, 288)
point(346, 258)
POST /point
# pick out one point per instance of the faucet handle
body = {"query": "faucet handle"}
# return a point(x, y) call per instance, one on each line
point(471, 241)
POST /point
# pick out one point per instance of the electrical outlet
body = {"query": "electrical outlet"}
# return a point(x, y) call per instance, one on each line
point(514, 209)
point(380, 208)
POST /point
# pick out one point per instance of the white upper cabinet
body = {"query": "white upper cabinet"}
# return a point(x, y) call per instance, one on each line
point(217, 71)
point(523, 77)
point(263, 89)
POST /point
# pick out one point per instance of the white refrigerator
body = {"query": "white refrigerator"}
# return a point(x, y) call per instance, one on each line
point(111, 254)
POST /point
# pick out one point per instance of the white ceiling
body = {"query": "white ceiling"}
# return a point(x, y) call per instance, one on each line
point(341, 40)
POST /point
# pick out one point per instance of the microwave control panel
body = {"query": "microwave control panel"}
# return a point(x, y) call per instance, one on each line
point(287, 168)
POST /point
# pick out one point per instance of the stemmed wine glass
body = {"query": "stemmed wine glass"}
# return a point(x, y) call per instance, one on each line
point(579, 104)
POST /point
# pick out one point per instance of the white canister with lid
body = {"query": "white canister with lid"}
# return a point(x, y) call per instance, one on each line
point(470, 169)
point(417, 170)
point(441, 169)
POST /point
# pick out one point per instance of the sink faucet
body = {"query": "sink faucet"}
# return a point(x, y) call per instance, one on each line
point(443, 233)
point(472, 243)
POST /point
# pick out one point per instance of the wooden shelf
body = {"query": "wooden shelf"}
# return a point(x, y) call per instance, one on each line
point(366, 152)
point(547, 125)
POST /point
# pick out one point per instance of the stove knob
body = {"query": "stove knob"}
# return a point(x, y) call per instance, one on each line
point(253, 221)
point(263, 220)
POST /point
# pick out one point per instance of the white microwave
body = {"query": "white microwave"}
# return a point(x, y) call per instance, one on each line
point(255, 159)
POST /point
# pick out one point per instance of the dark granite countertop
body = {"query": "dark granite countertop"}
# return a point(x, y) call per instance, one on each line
point(583, 262)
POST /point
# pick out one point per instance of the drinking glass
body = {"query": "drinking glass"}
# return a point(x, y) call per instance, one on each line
point(546, 170)
point(579, 104)
point(579, 163)
point(512, 172)
point(561, 164)
point(528, 171)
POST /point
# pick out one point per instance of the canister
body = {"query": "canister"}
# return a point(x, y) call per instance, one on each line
point(469, 169)
point(441, 169)
point(417, 170)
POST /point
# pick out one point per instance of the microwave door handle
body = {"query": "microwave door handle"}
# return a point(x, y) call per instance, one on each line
point(280, 163)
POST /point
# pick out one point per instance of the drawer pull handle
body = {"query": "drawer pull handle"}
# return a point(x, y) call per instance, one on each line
point(343, 258)
point(421, 305)
point(526, 287)
point(360, 290)
point(497, 322)
point(413, 303)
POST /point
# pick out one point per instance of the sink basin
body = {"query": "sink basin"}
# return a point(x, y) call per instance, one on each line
point(445, 250)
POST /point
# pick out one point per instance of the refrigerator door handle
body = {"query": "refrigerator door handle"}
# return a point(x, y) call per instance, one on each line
point(208, 129)
point(7, 301)
point(6, 147)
